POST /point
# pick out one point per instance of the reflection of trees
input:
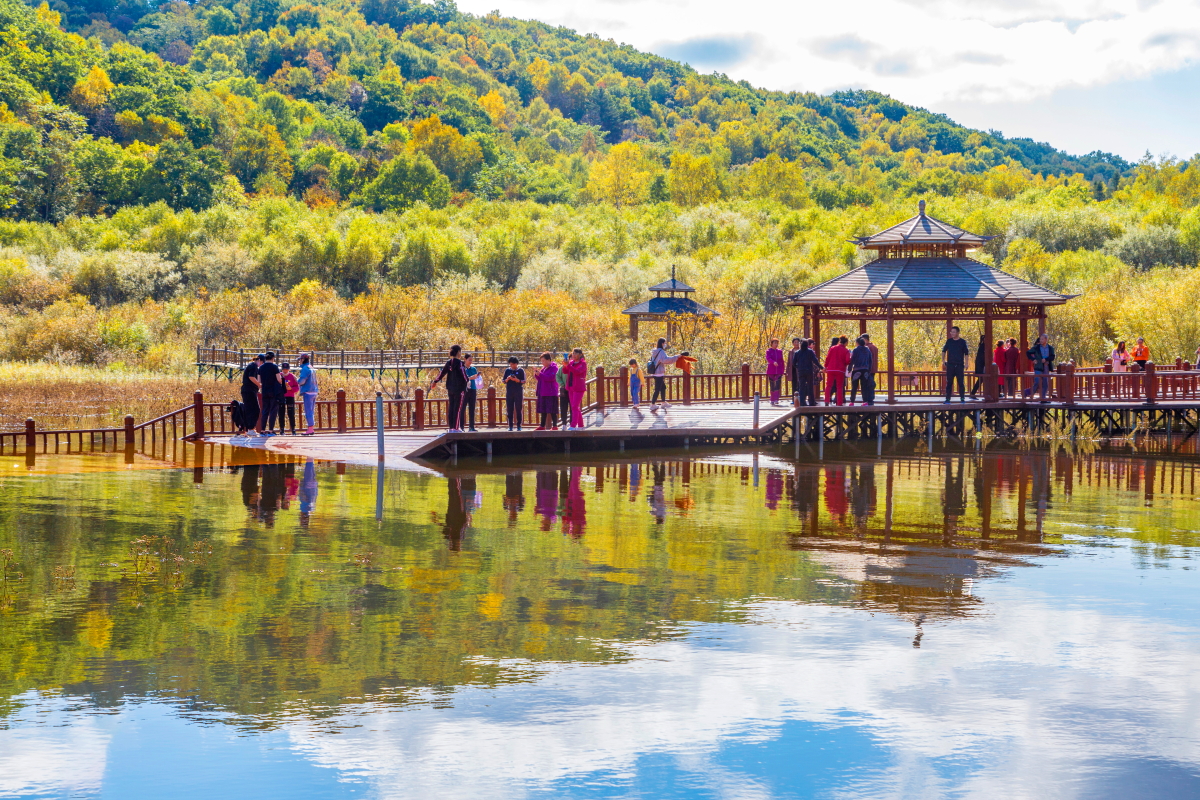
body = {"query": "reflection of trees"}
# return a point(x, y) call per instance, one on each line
point(329, 605)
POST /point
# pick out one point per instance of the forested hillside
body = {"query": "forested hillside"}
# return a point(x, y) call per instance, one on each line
point(386, 173)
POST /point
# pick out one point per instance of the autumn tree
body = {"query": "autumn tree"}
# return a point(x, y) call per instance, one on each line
point(693, 179)
point(403, 181)
point(622, 178)
point(457, 156)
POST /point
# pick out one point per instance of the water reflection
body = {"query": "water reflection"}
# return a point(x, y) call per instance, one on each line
point(622, 611)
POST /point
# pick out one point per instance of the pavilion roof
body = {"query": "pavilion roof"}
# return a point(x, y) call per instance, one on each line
point(921, 230)
point(684, 306)
point(672, 285)
point(925, 280)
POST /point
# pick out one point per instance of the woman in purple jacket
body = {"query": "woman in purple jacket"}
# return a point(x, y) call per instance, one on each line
point(775, 370)
point(547, 392)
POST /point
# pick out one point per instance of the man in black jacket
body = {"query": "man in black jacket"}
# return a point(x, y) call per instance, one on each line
point(1042, 356)
point(954, 358)
point(805, 368)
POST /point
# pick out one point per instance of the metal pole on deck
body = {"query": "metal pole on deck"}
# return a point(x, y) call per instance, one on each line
point(757, 401)
point(379, 423)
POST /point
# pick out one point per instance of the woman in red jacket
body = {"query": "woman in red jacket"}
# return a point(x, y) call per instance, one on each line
point(836, 361)
point(576, 370)
point(1000, 359)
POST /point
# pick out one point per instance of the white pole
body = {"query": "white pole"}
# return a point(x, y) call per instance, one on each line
point(757, 400)
point(379, 422)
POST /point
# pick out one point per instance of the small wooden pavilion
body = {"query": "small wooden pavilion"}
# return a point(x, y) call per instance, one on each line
point(670, 303)
point(921, 272)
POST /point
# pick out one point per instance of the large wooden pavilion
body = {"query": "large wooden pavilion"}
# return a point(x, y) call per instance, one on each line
point(921, 272)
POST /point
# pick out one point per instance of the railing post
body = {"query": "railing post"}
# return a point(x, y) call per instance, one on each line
point(341, 410)
point(491, 406)
point(1178, 362)
point(991, 383)
point(31, 436)
point(1151, 379)
point(624, 391)
point(1068, 389)
point(757, 401)
point(745, 383)
point(687, 388)
point(198, 414)
point(129, 429)
point(600, 389)
point(419, 410)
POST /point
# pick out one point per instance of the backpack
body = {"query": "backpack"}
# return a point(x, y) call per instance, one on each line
point(652, 364)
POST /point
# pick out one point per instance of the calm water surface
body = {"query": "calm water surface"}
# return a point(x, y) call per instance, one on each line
point(1015, 624)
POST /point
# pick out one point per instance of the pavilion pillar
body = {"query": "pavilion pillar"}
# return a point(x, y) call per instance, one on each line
point(987, 334)
point(949, 320)
point(1024, 345)
point(806, 322)
point(816, 321)
point(1041, 322)
point(862, 324)
point(891, 356)
point(633, 327)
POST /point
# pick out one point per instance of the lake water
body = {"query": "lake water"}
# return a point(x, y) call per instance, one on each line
point(1015, 624)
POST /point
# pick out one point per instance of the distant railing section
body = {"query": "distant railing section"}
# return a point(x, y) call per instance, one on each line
point(236, 357)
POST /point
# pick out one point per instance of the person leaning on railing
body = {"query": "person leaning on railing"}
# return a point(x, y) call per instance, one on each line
point(1042, 356)
point(1141, 353)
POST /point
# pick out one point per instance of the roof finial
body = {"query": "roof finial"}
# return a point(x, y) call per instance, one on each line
point(672, 272)
point(921, 208)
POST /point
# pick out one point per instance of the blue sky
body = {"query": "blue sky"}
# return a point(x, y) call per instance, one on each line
point(1115, 75)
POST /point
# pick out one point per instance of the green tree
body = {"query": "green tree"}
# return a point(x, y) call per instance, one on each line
point(403, 181)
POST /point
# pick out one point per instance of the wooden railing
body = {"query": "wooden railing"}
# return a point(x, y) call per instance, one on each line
point(1068, 384)
point(361, 359)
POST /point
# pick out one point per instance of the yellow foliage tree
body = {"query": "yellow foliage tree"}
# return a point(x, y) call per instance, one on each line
point(454, 154)
point(496, 108)
point(622, 178)
point(693, 180)
point(92, 90)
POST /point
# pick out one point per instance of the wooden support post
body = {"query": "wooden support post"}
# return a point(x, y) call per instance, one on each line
point(1022, 361)
point(419, 410)
point(807, 322)
point(686, 380)
point(988, 343)
point(1041, 322)
point(600, 389)
point(491, 407)
point(633, 328)
point(198, 414)
point(341, 410)
point(1151, 386)
point(745, 383)
point(128, 430)
point(991, 383)
point(31, 436)
point(624, 390)
point(1067, 384)
point(862, 325)
point(891, 356)
point(816, 321)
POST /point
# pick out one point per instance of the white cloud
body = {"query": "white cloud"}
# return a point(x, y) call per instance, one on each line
point(1033, 694)
point(44, 759)
point(920, 52)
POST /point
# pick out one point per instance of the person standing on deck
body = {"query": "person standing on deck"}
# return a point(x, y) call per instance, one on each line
point(954, 359)
point(981, 354)
point(790, 368)
point(805, 368)
point(837, 360)
point(564, 397)
point(308, 391)
point(866, 337)
point(514, 392)
point(576, 387)
point(775, 368)
point(1120, 358)
point(1042, 356)
point(860, 372)
point(999, 356)
point(547, 393)
point(250, 394)
point(290, 387)
point(636, 380)
point(472, 393)
point(272, 393)
point(657, 369)
point(456, 387)
point(1012, 366)
point(1141, 353)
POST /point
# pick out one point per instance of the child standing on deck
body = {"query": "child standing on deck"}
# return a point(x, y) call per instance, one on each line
point(473, 381)
point(514, 392)
point(635, 382)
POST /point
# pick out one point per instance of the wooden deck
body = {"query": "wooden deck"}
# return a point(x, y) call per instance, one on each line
point(613, 429)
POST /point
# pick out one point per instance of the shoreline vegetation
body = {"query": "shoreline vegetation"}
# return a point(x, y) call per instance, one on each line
point(388, 174)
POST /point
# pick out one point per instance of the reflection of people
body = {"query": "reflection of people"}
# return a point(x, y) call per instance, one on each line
point(250, 485)
point(456, 513)
point(308, 492)
point(546, 497)
point(635, 480)
point(290, 485)
point(575, 509)
point(954, 495)
point(774, 488)
point(273, 490)
point(862, 494)
point(658, 501)
point(835, 493)
point(514, 495)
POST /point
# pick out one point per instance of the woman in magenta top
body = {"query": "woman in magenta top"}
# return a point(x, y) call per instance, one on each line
point(775, 365)
point(547, 392)
point(576, 370)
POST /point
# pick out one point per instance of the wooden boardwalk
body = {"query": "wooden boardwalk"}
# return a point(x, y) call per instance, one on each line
point(613, 429)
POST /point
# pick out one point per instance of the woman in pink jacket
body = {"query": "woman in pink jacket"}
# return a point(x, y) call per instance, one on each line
point(576, 370)
point(774, 370)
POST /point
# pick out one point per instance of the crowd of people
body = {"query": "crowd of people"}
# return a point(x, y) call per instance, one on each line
point(269, 391)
